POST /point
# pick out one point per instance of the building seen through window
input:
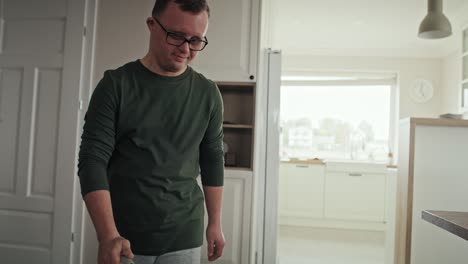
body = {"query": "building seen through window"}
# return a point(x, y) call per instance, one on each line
point(336, 122)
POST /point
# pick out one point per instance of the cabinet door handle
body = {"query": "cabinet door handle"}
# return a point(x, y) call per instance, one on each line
point(355, 174)
point(302, 166)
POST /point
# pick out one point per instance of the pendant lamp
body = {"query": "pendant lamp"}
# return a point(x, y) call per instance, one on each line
point(435, 25)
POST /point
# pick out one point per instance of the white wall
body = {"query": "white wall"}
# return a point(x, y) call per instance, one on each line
point(452, 66)
point(407, 70)
point(451, 76)
point(452, 70)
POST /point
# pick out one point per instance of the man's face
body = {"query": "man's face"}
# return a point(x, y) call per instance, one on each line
point(173, 60)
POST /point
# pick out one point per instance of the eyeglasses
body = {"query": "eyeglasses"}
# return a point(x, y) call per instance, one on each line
point(176, 39)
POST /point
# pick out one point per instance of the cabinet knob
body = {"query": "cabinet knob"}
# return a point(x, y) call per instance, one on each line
point(251, 77)
point(302, 166)
point(355, 174)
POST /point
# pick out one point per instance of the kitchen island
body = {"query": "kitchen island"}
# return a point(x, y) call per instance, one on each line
point(454, 222)
point(431, 176)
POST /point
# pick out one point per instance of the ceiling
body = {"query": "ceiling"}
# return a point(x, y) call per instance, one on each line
point(361, 27)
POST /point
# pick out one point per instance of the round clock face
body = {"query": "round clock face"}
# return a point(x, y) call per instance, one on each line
point(421, 90)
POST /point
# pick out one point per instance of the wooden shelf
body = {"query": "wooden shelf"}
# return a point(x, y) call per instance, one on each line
point(237, 168)
point(239, 113)
point(235, 84)
point(238, 126)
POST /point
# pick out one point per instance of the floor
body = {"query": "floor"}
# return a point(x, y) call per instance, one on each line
point(330, 246)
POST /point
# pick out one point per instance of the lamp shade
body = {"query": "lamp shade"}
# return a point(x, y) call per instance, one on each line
point(435, 25)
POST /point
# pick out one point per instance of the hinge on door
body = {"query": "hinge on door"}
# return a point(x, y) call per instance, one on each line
point(80, 104)
point(84, 31)
point(256, 255)
point(73, 237)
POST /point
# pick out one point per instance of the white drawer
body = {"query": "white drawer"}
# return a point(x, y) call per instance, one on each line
point(355, 196)
point(356, 167)
point(301, 190)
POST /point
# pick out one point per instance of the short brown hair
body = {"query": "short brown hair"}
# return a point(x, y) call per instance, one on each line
point(193, 6)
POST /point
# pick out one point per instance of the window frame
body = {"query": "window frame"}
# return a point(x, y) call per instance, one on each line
point(310, 78)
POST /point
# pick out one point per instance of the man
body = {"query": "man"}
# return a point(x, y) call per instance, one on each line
point(152, 126)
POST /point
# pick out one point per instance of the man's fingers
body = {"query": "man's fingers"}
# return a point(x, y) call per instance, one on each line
point(218, 251)
point(112, 256)
point(220, 248)
point(126, 249)
point(210, 248)
point(127, 252)
point(115, 259)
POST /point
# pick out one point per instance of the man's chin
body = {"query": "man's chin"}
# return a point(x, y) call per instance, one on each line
point(177, 67)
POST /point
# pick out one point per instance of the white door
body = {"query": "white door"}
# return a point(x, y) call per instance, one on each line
point(40, 65)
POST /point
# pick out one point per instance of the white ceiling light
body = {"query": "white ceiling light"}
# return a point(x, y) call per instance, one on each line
point(435, 25)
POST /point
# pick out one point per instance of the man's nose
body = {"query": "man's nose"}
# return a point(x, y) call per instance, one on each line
point(185, 47)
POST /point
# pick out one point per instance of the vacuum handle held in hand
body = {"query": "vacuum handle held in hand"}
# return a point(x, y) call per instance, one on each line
point(124, 260)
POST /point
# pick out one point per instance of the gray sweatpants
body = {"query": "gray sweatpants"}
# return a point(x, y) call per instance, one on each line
point(186, 256)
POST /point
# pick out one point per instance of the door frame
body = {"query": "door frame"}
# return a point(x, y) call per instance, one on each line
point(85, 91)
point(267, 163)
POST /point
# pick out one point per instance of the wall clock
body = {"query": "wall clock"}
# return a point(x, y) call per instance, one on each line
point(421, 90)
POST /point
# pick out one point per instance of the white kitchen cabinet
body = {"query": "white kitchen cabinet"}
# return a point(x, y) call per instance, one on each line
point(301, 190)
point(233, 33)
point(355, 191)
point(236, 212)
point(333, 195)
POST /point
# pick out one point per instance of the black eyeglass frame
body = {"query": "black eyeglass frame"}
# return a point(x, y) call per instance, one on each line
point(181, 38)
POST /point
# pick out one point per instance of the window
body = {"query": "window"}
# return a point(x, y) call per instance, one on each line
point(337, 117)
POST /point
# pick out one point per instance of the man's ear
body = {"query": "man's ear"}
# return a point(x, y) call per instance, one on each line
point(149, 22)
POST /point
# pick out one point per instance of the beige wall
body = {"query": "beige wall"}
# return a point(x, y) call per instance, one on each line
point(121, 37)
point(121, 33)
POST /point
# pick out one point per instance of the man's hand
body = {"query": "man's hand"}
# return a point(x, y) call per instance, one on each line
point(110, 250)
point(215, 240)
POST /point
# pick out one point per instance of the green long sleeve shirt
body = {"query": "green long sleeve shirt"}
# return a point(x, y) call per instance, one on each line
point(146, 138)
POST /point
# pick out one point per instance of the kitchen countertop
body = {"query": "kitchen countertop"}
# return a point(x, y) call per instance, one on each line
point(454, 222)
point(304, 161)
point(435, 122)
point(323, 162)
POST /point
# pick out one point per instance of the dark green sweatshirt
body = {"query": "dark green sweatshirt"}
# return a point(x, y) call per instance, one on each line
point(146, 138)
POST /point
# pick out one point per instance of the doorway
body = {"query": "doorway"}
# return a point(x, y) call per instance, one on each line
point(337, 177)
